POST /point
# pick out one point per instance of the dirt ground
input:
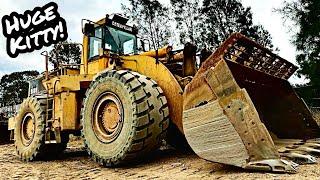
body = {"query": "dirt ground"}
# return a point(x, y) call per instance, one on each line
point(166, 163)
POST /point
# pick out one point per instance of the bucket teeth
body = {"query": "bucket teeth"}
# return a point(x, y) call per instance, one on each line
point(317, 140)
point(296, 142)
point(299, 157)
point(299, 151)
point(308, 150)
point(288, 141)
point(275, 165)
point(304, 149)
point(313, 145)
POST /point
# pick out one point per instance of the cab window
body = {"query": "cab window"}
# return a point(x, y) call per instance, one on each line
point(95, 43)
point(115, 40)
point(120, 41)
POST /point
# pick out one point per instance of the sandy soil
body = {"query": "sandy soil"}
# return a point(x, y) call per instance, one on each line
point(164, 164)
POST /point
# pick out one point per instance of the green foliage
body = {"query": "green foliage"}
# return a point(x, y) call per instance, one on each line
point(306, 17)
point(224, 17)
point(188, 20)
point(14, 87)
point(310, 94)
point(151, 18)
point(206, 24)
point(65, 53)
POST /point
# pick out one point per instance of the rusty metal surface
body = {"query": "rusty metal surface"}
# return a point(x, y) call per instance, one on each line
point(279, 107)
point(242, 50)
point(253, 90)
point(248, 53)
point(189, 60)
point(241, 112)
point(238, 109)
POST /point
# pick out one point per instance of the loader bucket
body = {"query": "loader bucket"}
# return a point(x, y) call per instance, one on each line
point(239, 109)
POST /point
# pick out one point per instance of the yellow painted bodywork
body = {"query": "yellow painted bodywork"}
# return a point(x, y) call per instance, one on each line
point(147, 66)
point(65, 83)
point(84, 58)
point(161, 52)
point(64, 89)
point(71, 71)
point(66, 111)
point(97, 65)
point(144, 64)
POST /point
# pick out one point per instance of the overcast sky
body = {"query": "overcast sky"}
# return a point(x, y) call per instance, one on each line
point(73, 11)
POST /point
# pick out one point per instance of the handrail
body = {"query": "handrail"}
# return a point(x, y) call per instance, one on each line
point(46, 63)
point(46, 54)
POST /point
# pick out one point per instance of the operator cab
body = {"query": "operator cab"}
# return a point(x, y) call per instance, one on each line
point(110, 34)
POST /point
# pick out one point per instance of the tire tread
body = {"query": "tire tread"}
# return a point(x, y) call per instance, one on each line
point(154, 119)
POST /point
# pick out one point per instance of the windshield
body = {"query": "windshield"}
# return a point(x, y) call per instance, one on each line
point(119, 41)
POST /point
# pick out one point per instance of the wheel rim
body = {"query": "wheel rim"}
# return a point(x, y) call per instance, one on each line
point(28, 129)
point(107, 117)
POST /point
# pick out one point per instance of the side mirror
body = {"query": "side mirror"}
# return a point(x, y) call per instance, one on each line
point(135, 29)
point(143, 45)
point(89, 30)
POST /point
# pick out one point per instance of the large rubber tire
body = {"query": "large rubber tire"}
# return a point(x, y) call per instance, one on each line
point(36, 147)
point(145, 116)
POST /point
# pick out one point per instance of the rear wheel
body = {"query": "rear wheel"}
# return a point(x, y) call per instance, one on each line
point(29, 132)
point(125, 116)
point(30, 129)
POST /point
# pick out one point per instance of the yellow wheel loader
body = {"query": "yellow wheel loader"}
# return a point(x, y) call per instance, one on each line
point(238, 108)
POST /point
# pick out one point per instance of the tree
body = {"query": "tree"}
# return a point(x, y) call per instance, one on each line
point(188, 19)
point(151, 18)
point(223, 17)
point(14, 87)
point(305, 15)
point(65, 53)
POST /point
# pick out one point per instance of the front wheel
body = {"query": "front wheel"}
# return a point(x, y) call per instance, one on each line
point(125, 116)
